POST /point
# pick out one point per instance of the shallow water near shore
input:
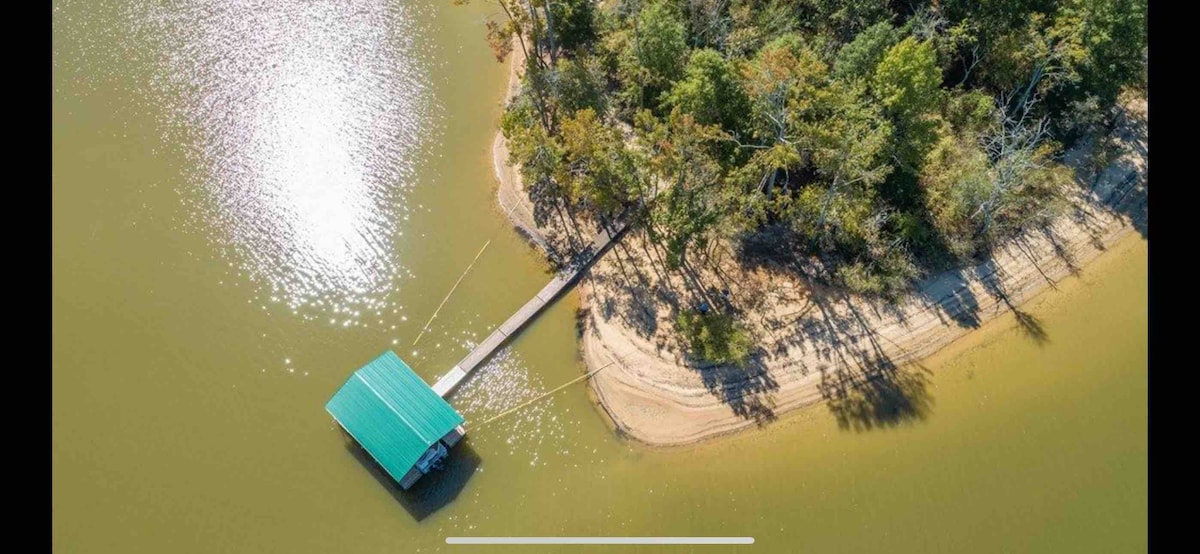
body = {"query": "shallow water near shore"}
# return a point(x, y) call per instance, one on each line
point(251, 199)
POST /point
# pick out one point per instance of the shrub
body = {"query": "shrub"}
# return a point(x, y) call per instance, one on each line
point(714, 337)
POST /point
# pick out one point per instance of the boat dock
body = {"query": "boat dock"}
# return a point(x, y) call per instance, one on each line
point(561, 281)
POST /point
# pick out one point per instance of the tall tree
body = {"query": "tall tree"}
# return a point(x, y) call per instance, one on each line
point(709, 23)
point(1024, 181)
point(845, 18)
point(689, 201)
point(661, 46)
point(907, 83)
point(859, 57)
point(710, 91)
point(581, 83)
point(786, 83)
point(574, 23)
point(601, 173)
point(848, 154)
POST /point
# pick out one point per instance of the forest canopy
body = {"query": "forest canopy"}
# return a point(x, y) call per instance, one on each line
point(864, 142)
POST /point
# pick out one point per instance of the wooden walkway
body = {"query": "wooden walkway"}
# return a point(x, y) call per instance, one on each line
point(561, 281)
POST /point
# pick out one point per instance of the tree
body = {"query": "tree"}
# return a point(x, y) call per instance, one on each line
point(983, 187)
point(818, 129)
point(581, 84)
point(847, 150)
point(1112, 33)
point(1041, 51)
point(715, 337)
point(969, 112)
point(710, 91)
point(858, 58)
point(1024, 185)
point(574, 22)
point(955, 180)
point(690, 201)
point(1115, 37)
point(661, 45)
point(845, 18)
point(709, 23)
point(907, 83)
point(599, 172)
point(907, 79)
point(539, 155)
point(786, 83)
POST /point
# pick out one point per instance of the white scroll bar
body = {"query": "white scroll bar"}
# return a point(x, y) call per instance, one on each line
point(599, 540)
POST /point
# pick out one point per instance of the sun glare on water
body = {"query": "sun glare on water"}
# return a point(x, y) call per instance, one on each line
point(305, 119)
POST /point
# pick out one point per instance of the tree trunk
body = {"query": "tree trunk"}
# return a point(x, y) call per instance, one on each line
point(562, 220)
point(533, 32)
point(513, 22)
point(828, 202)
point(550, 33)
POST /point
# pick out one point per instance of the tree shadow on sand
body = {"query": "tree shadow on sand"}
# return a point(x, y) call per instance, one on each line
point(990, 276)
point(952, 299)
point(433, 491)
point(866, 388)
point(1122, 186)
point(640, 294)
point(746, 390)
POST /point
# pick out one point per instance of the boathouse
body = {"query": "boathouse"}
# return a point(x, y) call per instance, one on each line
point(397, 418)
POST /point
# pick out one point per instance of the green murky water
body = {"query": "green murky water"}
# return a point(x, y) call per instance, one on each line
point(252, 198)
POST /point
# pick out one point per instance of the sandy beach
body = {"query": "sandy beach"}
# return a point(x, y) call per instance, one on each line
point(861, 356)
point(510, 192)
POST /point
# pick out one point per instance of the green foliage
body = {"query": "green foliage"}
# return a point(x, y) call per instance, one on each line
point(848, 153)
point(871, 140)
point(597, 169)
point(846, 18)
point(787, 84)
point(530, 145)
point(581, 85)
point(1046, 51)
point(710, 91)
point(886, 275)
point(617, 52)
point(970, 112)
point(715, 338)
point(907, 79)
point(754, 23)
point(1115, 39)
point(708, 23)
point(859, 57)
point(788, 87)
point(975, 201)
point(907, 83)
point(1035, 200)
point(661, 46)
point(691, 200)
point(574, 23)
point(956, 182)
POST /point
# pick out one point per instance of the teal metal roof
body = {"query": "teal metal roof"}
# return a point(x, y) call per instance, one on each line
point(392, 413)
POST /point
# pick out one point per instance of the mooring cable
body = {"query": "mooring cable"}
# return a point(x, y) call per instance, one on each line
point(460, 279)
point(543, 395)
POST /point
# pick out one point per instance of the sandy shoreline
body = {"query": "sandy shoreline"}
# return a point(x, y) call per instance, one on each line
point(510, 194)
point(820, 345)
point(653, 397)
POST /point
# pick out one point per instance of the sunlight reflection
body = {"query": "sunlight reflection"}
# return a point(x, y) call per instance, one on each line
point(306, 119)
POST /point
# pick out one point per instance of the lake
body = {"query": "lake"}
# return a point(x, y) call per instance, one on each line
point(253, 198)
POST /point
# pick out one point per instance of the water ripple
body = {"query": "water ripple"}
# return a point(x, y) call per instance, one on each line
point(305, 121)
point(505, 383)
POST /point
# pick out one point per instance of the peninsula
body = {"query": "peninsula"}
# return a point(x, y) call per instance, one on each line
point(824, 205)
